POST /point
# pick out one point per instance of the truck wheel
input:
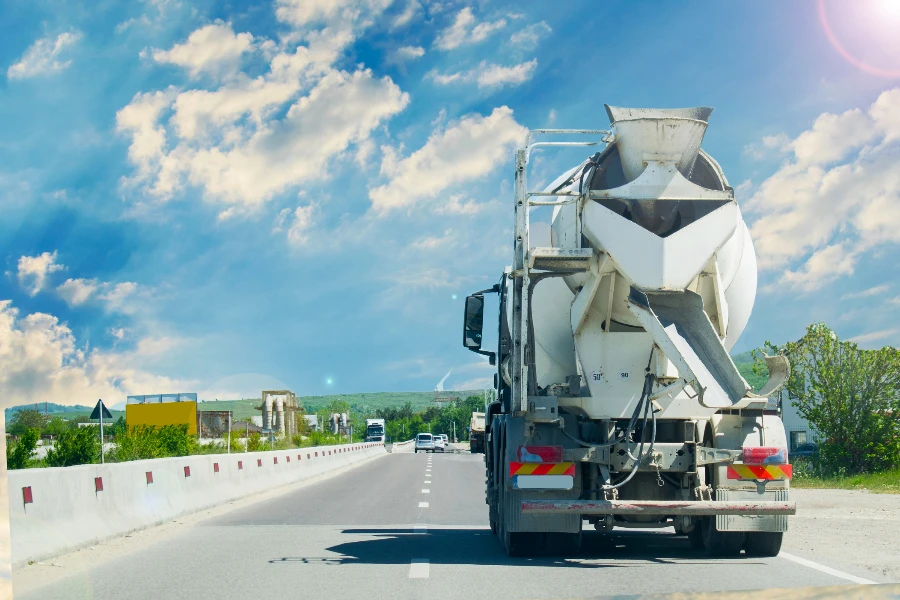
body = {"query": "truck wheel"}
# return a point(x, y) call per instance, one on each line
point(563, 544)
point(416, 450)
point(695, 537)
point(763, 543)
point(721, 543)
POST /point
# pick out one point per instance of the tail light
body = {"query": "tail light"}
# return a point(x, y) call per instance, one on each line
point(540, 454)
point(765, 455)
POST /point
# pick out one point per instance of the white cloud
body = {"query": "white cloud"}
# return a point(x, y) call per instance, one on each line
point(42, 361)
point(874, 336)
point(466, 150)
point(837, 198)
point(551, 116)
point(43, 56)
point(405, 54)
point(823, 267)
point(409, 12)
point(33, 271)
point(489, 75)
point(466, 30)
point(529, 37)
point(298, 232)
point(77, 291)
point(770, 145)
point(253, 138)
point(455, 205)
point(213, 49)
point(872, 291)
point(301, 13)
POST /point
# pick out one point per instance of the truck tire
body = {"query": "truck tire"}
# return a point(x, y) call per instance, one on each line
point(695, 537)
point(721, 543)
point(562, 544)
point(763, 543)
point(515, 543)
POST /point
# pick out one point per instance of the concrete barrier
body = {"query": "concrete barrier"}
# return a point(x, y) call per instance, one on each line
point(55, 510)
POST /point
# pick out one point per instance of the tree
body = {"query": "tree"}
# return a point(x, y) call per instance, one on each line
point(850, 395)
point(19, 453)
point(25, 419)
point(56, 426)
point(80, 446)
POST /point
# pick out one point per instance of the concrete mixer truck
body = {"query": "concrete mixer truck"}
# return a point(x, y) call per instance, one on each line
point(617, 401)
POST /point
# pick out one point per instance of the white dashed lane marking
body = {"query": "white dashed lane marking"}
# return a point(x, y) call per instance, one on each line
point(423, 505)
point(426, 491)
point(418, 568)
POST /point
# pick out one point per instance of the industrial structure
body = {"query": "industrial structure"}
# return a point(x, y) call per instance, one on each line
point(279, 412)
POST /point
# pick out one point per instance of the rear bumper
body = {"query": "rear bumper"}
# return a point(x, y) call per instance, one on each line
point(656, 508)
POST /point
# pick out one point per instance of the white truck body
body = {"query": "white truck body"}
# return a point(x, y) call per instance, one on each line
point(613, 357)
point(375, 431)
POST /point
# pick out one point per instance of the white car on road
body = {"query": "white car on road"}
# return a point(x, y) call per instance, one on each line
point(424, 442)
point(440, 443)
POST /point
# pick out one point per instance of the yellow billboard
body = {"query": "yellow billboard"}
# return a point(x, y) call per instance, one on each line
point(157, 414)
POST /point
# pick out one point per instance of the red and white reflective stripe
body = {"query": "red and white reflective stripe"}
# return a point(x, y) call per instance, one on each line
point(764, 472)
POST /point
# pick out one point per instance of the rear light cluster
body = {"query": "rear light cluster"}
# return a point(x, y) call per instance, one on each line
point(765, 455)
point(539, 454)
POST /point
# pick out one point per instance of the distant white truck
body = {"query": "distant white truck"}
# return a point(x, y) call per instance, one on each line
point(375, 430)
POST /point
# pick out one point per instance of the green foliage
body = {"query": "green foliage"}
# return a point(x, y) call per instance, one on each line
point(141, 442)
point(255, 443)
point(18, 453)
point(850, 395)
point(25, 419)
point(55, 426)
point(80, 446)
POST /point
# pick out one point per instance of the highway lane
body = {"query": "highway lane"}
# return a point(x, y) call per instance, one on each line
point(373, 532)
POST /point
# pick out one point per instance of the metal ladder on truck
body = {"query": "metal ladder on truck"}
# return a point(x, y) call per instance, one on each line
point(530, 265)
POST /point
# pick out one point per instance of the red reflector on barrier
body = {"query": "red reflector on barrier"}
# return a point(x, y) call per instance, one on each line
point(764, 455)
point(317, 454)
point(275, 460)
point(540, 454)
point(258, 462)
point(287, 458)
point(240, 465)
point(307, 457)
point(187, 471)
point(98, 484)
point(149, 476)
point(215, 467)
point(299, 457)
point(26, 495)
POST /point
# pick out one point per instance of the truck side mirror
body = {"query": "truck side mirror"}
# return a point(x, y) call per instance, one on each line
point(474, 322)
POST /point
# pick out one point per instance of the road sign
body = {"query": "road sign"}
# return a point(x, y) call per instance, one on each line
point(101, 407)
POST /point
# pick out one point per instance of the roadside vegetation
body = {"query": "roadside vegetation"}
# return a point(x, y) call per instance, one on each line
point(851, 397)
point(74, 445)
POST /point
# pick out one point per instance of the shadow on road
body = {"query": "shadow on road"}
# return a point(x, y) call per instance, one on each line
point(480, 547)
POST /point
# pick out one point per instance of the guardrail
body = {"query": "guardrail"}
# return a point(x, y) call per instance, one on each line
point(54, 510)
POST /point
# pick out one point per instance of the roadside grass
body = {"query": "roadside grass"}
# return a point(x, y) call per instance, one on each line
point(886, 482)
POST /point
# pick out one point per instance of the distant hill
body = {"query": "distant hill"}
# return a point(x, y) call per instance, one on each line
point(744, 363)
point(366, 403)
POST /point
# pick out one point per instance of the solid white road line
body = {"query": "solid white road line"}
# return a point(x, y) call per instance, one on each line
point(426, 491)
point(420, 529)
point(423, 505)
point(418, 568)
point(824, 569)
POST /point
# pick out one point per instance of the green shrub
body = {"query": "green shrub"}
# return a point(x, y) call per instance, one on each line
point(19, 453)
point(254, 443)
point(75, 447)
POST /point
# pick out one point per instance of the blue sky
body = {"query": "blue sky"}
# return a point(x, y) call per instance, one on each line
point(221, 197)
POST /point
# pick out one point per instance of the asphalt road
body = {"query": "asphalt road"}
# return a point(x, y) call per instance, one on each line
point(402, 526)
